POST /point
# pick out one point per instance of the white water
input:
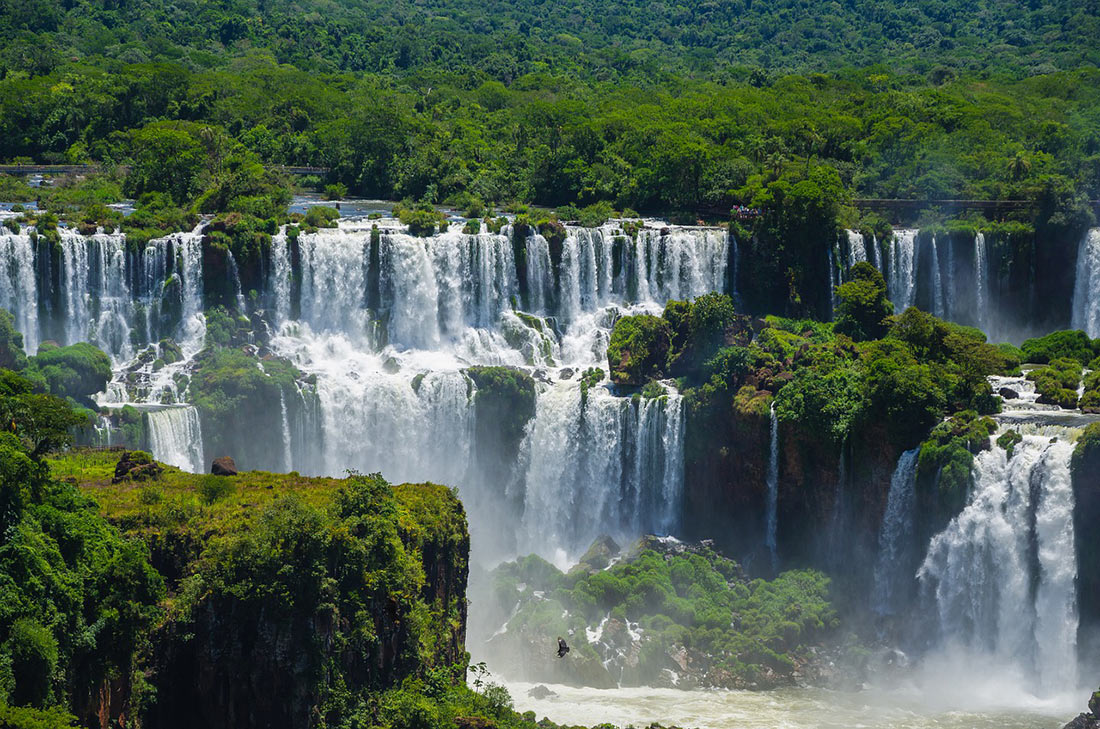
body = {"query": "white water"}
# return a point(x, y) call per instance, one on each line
point(895, 537)
point(175, 437)
point(981, 274)
point(857, 250)
point(902, 282)
point(938, 301)
point(18, 286)
point(393, 396)
point(770, 540)
point(1086, 287)
point(935, 702)
point(990, 596)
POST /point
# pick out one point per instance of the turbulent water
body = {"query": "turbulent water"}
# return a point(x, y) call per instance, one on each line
point(940, 701)
point(1000, 577)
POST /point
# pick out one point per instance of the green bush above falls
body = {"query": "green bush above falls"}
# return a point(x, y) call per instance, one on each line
point(78, 370)
point(638, 349)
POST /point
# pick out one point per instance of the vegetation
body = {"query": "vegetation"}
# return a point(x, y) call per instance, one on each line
point(747, 632)
point(1057, 382)
point(79, 599)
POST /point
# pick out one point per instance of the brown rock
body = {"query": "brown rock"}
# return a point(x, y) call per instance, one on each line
point(223, 466)
point(136, 466)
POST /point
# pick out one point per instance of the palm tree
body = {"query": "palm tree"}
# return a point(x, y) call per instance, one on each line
point(1019, 166)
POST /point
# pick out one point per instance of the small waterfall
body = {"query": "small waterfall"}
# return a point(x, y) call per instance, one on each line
point(175, 437)
point(288, 446)
point(234, 274)
point(876, 255)
point(1086, 286)
point(938, 304)
point(832, 279)
point(98, 300)
point(1002, 573)
point(281, 275)
point(981, 288)
point(903, 269)
point(857, 250)
point(895, 537)
point(18, 287)
point(770, 540)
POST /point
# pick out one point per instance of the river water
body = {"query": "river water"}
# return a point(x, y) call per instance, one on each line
point(909, 706)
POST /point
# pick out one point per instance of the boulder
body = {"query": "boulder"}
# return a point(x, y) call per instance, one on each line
point(1090, 720)
point(223, 466)
point(599, 555)
point(1008, 393)
point(136, 466)
point(566, 373)
point(540, 692)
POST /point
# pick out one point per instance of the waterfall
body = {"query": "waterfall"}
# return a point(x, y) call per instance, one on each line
point(770, 540)
point(384, 324)
point(281, 275)
point(938, 307)
point(895, 537)
point(876, 255)
point(1002, 573)
point(288, 446)
point(607, 465)
point(18, 287)
point(175, 437)
point(903, 269)
point(857, 250)
point(1086, 286)
point(981, 288)
point(234, 274)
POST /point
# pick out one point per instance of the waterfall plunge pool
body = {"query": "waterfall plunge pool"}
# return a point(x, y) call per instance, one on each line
point(938, 702)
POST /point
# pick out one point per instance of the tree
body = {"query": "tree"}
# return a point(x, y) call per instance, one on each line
point(862, 306)
point(12, 356)
point(167, 158)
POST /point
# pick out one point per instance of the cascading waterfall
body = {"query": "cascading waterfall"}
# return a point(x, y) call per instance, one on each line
point(938, 304)
point(18, 286)
point(175, 437)
point(903, 269)
point(1001, 575)
point(389, 321)
point(1086, 286)
point(770, 540)
point(895, 537)
point(857, 250)
point(981, 288)
point(600, 464)
point(288, 446)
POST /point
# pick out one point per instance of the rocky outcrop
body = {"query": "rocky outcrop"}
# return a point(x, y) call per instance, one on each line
point(223, 466)
point(136, 466)
point(1091, 719)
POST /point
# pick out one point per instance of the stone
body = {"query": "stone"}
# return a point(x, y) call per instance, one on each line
point(223, 466)
point(540, 692)
point(136, 466)
point(1008, 393)
point(566, 373)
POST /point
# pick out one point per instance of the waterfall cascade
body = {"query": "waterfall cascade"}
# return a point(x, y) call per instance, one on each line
point(1001, 575)
point(772, 524)
point(383, 326)
point(175, 437)
point(896, 537)
point(1086, 287)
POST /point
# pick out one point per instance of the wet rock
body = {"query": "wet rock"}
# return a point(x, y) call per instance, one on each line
point(136, 466)
point(540, 692)
point(566, 373)
point(1091, 720)
point(391, 366)
point(223, 466)
point(599, 555)
point(1008, 393)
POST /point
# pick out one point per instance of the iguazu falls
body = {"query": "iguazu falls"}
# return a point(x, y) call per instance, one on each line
point(562, 365)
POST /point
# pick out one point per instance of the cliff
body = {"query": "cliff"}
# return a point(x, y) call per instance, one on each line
point(290, 598)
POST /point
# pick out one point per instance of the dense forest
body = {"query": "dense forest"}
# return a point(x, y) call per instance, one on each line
point(647, 107)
